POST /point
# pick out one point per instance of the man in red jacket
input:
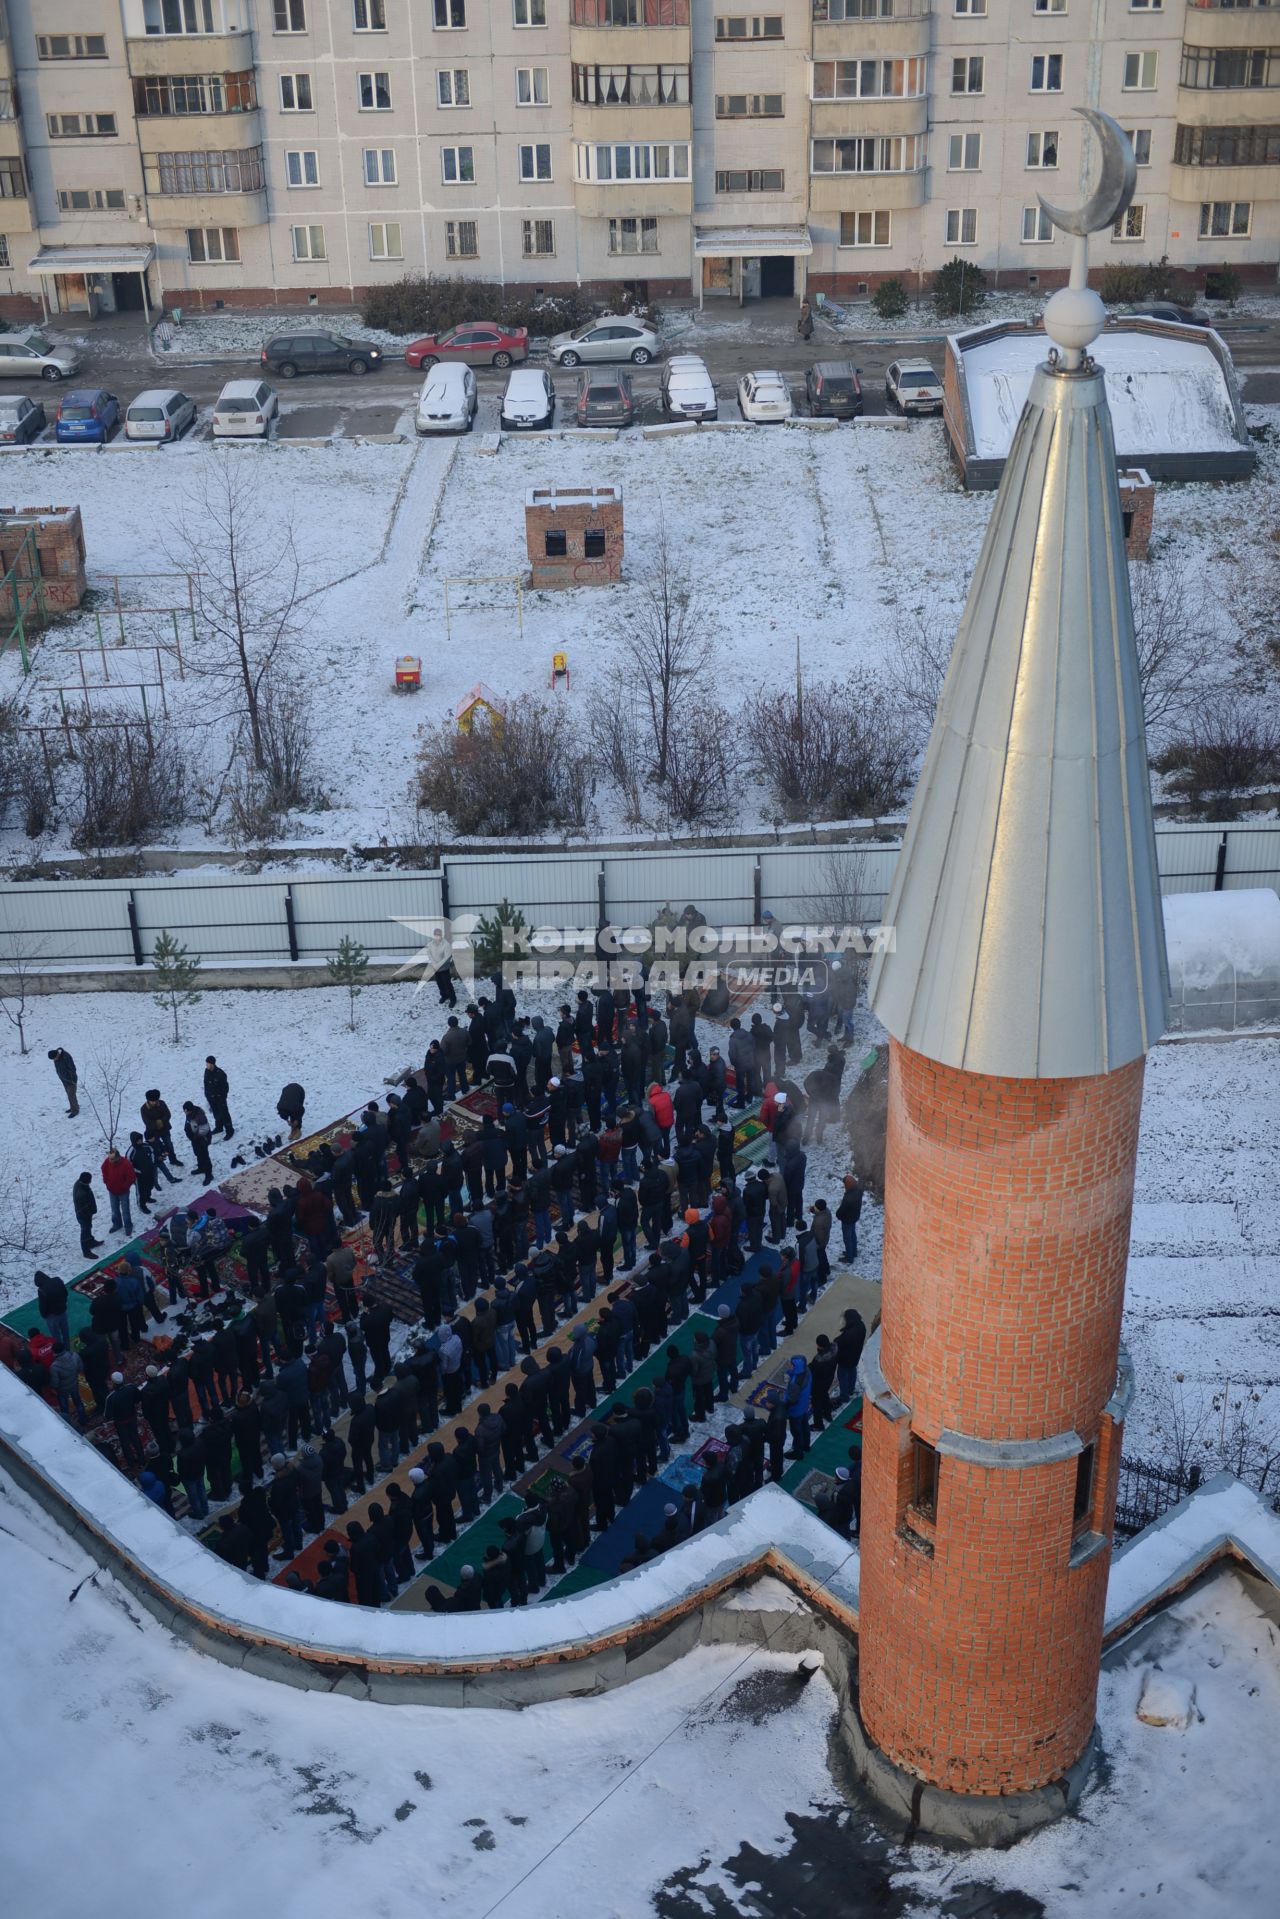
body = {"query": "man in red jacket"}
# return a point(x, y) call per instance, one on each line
point(119, 1178)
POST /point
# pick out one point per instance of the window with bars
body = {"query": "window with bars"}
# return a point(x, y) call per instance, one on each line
point(379, 167)
point(631, 86)
point(457, 166)
point(453, 87)
point(302, 168)
point(537, 238)
point(460, 240)
point(750, 180)
point(1042, 150)
point(374, 92)
point(5, 261)
point(633, 236)
point(865, 229)
point(308, 243)
point(213, 246)
point(1132, 224)
point(239, 172)
point(961, 227)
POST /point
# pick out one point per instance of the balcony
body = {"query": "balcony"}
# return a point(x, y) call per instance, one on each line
point(846, 119)
point(906, 33)
point(15, 204)
point(160, 53)
point(178, 133)
point(1210, 25)
point(633, 199)
point(856, 192)
point(654, 31)
point(207, 209)
point(1226, 163)
point(193, 189)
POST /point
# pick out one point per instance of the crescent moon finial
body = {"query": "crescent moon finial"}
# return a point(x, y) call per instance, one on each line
point(1114, 190)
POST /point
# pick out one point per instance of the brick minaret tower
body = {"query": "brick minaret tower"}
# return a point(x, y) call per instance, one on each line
point(1027, 982)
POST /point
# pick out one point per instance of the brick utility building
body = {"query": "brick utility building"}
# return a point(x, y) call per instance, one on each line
point(43, 548)
point(296, 152)
point(1028, 981)
point(574, 535)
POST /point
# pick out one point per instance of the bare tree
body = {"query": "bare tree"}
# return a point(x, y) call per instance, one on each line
point(923, 641)
point(19, 1216)
point(839, 749)
point(668, 647)
point(1178, 1422)
point(1254, 597)
point(248, 582)
point(105, 1087)
point(18, 967)
point(701, 762)
point(1177, 639)
point(616, 748)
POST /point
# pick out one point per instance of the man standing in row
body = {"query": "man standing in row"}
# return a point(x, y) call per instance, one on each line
point(65, 1067)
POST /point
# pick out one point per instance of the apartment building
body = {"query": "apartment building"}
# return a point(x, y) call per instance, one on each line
point(294, 152)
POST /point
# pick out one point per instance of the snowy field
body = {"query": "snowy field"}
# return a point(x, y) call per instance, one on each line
point(842, 541)
point(703, 1790)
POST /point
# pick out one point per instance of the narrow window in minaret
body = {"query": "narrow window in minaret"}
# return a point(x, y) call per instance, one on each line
point(1082, 1512)
point(924, 1479)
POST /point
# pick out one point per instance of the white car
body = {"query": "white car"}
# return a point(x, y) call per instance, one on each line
point(764, 397)
point(26, 353)
point(245, 408)
point(686, 389)
point(448, 400)
point(161, 413)
point(530, 399)
point(913, 387)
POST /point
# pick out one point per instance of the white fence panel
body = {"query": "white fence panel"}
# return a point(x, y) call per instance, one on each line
point(232, 919)
point(549, 889)
point(68, 922)
point(365, 909)
point(720, 885)
point(822, 883)
point(1253, 856)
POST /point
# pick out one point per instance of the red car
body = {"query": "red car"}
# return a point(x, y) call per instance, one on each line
point(475, 343)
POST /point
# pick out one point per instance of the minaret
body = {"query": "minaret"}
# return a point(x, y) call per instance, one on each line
point(1027, 982)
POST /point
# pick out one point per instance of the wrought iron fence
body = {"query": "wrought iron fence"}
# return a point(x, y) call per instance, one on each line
point(1146, 1491)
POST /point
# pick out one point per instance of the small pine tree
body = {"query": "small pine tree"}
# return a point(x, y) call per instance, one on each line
point(959, 287)
point(890, 299)
point(349, 967)
point(175, 972)
point(497, 936)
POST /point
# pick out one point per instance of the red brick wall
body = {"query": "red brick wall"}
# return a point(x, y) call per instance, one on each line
point(573, 518)
point(1007, 1213)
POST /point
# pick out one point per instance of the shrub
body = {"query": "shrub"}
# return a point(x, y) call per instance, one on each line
point(842, 751)
point(890, 299)
point(1120, 285)
point(1222, 284)
point(418, 304)
point(959, 287)
point(523, 777)
point(1225, 749)
point(129, 779)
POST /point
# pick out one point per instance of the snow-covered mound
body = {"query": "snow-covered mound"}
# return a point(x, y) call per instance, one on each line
point(1224, 958)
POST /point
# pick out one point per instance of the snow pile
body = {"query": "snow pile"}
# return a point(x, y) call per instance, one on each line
point(1166, 395)
point(1168, 1699)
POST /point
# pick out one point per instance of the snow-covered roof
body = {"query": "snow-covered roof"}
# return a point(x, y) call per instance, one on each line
point(721, 242)
point(481, 695)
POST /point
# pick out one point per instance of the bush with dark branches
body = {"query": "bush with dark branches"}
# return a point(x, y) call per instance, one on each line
point(1230, 746)
point(428, 303)
point(840, 749)
point(126, 781)
point(520, 777)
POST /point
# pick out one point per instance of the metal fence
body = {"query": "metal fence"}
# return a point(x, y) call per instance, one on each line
point(276, 920)
point(1144, 1492)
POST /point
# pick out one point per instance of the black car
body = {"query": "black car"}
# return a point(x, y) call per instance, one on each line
point(21, 419)
point(291, 353)
point(1172, 310)
point(833, 390)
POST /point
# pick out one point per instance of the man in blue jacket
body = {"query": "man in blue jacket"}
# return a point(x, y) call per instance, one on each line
point(798, 1399)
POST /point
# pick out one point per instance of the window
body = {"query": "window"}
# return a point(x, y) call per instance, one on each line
point(1046, 73)
point(1225, 219)
point(633, 236)
point(751, 26)
point(457, 165)
point(295, 93)
point(91, 199)
point(877, 79)
point(967, 74)
point(178, 16)
point(868, 153)
point(1042, 149)
point(864, 229)
point(531, 87)
point(974, 8)
point(289, 16)
point(1036, 226)
point(555, 543)
point(924, 1478)
point(81, 126)
point(1232, 67)
point(302, 169)
point(593, 543)
point(531, 13)
point(537, 238)
point(1140, 72)
point(1145, 6)
point(535, 161)
point(460, 240)
point(71, 46)
point(962, 227)
point(631, 86)
point(213, 246)
point(964, 153)
point(308, 243)
point(1050, 6)
point(1227, 146)
point(451, 15)
point(384, 240)
point(1082, 1504)
point(748, 106)
point(4, 250)
point(853, 9)
point(369, 16)
point(662, 160)
point(453, 88)
point(379, 167)
point(375, 92)
point(189, 93)
point(1131, 225)
point(750, 180)
point(13, 185)
point(239, 172)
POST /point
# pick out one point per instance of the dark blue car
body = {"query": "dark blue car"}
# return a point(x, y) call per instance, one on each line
point(88, 414)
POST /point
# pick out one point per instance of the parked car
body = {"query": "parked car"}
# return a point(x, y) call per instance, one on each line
point(245, 408)
point(474, 343)
point(686, 389)
point(21, 419)
point(161, 413)
point(913, 387)
point(291, 353)
point(764, 398)
point(88, 413)
point(605, 399)
point(530, 399)
point(612, 337)
point(28, 353)
point(833, 390)
point(1172, 310)
point(448, 400)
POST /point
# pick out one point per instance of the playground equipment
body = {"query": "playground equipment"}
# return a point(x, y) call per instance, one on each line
point(409, 673)
point(559, 671)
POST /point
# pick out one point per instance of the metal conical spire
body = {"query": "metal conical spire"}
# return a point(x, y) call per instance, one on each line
point(1029, 938)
